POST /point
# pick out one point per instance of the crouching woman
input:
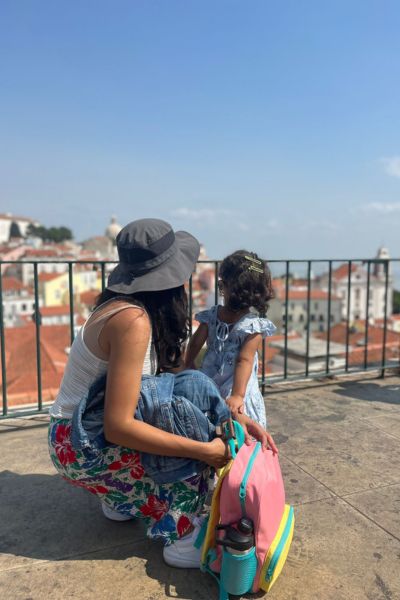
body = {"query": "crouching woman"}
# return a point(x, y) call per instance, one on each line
point(138, 328)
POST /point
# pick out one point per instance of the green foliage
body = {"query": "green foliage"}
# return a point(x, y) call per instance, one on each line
point(15, 231)
point(396, 301)
point(50, 234)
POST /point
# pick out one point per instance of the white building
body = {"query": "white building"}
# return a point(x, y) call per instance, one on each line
point(18, 301)
point(298, 309)
point(49, 260)
point(112, 230)
point(358, 288)
point(11, 224)
point(317, 349)
point(56, 315)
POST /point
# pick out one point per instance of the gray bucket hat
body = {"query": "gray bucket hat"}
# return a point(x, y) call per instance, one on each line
point(152, 257)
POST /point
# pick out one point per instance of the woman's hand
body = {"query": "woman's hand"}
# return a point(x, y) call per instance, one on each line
point(254, 430)
point(216, 453)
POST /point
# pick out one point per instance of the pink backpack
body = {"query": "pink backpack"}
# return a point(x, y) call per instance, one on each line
point(249, 486)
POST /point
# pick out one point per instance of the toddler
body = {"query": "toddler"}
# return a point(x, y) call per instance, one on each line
point(234, 332)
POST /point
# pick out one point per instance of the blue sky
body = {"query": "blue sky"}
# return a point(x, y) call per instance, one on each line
point(262, 124)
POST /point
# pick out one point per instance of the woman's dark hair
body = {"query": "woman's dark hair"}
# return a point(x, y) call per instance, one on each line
point(168, 312)
point(248, 279)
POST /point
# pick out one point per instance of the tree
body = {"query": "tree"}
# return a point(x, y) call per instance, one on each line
point(51, 234)
point(396, 301)
point(15, 231)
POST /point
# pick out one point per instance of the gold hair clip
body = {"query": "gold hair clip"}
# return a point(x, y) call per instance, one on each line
point(255, 260)
point(253, 268)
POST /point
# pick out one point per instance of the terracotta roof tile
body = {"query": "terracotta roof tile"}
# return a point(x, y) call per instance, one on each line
point(49, 311)
point(12, 284)
point(49, 276)
point(89, 297)
point(20, 344)
point(343, 271)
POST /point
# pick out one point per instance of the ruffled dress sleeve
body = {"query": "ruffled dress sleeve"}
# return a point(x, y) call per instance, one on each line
point(255, 324)
point(204, 316)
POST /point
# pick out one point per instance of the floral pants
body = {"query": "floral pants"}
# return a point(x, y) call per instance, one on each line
point(119, 480)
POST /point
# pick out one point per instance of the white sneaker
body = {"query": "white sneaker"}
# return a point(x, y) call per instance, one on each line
point(114, 515)
point(182, 553)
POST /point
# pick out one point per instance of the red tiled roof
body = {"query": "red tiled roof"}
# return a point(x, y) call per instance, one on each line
point(49, 311)
point(302, 295)
point(357, 334)
point(89, 297)
point(20, 344)
point(12, 283)
point(50, 252)
point(49, 276)
point(343, 271)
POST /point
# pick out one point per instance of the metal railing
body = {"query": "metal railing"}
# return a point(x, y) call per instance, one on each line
point(282, 272)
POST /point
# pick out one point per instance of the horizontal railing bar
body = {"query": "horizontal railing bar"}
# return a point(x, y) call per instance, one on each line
point(273, 260)
point(323, 375)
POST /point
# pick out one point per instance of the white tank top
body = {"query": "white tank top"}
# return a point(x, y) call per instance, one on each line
point(84, 367)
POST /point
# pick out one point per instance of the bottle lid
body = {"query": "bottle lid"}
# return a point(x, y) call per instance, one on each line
point(245, 525)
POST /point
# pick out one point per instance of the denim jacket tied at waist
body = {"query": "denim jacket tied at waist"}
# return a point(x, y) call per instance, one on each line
point(187, 404)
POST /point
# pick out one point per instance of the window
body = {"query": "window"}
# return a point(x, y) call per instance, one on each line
point(312, 318)
point(301, 318)
point(321, 317)
point(315, 305)
point(357, 293)
point(23, 306)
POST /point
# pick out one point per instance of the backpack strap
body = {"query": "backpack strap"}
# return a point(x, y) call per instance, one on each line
point(235, 441)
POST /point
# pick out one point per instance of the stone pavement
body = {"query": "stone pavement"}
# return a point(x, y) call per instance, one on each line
point(340, 455)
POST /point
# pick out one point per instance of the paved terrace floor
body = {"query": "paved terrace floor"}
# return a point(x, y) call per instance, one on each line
point(340, 455)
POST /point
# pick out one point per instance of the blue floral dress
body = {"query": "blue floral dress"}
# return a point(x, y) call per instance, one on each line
point(223, 346)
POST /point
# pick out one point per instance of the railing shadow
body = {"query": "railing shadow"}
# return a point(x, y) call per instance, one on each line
point(370, 392)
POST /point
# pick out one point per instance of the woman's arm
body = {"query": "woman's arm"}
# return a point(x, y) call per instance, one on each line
point(196, 343)
point(127, 336)
point(243, 368)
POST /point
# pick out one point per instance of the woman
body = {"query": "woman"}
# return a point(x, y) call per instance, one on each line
point(138, 328)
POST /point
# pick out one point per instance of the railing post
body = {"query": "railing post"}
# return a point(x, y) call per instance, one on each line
point(38, 323)
point(216, 291)
point(308, 316)
point(2, 346)
point(386, 264)
point(285, 358)
point(190, 307)
point(103, 276)
point(350, 264)
point(328, 337)
point(367, 316)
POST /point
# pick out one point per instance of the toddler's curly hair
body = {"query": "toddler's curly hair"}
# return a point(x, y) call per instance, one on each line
point(248, 279)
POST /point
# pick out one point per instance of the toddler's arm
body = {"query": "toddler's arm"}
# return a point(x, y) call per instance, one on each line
point(243, 369)
point(195, 344)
